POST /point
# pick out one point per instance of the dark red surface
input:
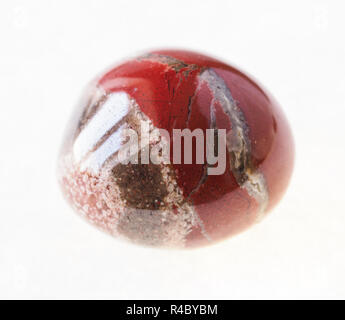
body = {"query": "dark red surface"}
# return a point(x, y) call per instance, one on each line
point(164, 95)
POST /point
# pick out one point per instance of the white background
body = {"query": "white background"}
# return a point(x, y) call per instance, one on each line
point(50, 49)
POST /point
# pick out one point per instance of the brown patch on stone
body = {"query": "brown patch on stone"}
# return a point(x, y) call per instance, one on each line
point(141, 185)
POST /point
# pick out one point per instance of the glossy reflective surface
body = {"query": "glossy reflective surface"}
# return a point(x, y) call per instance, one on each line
point(175, 204)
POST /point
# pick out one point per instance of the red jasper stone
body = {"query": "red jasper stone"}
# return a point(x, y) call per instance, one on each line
point(175, 204)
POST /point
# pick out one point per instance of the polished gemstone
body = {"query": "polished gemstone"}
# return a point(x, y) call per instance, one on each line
point(183, 200)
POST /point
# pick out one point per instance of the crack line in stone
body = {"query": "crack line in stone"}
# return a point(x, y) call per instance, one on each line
point(238, 143)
